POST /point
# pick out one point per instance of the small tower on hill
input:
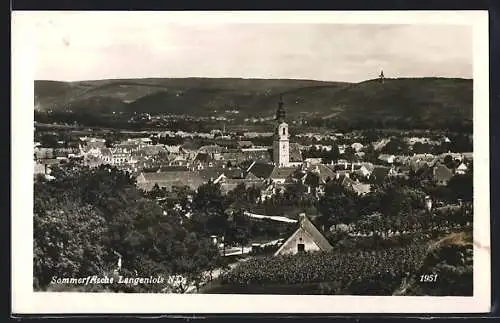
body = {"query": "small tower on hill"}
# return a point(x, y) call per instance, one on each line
point(381, 77)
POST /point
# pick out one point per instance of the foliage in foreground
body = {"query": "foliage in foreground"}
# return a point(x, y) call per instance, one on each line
point(356, 273)
point(451, 259)
point(85, 218)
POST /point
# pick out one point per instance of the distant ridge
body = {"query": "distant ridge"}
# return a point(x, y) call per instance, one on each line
point(422, 99)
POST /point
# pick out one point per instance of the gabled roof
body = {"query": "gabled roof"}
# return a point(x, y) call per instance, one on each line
point(210, 173)
point(170, 179)
point(203, 157)
point(211, 149)
point(173, 149)
point(324, 172)
point(282, 172)
point(308, 227)
point(361, 188)
point(261, 170)
point(233, 173)
point(245, 144)
point(261, 155)
point(153, 149)
point(347, 182)
point(174, 168)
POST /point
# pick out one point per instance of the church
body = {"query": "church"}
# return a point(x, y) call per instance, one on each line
point(282, 148)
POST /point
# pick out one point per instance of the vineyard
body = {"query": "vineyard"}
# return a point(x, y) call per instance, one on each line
point(356, 273)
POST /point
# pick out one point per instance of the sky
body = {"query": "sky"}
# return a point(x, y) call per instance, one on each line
point(88, 47)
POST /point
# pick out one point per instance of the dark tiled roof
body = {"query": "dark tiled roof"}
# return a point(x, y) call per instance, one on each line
point(282, 172)
point(255, 155)
point(203, 157)
point(170, 179)
point(262, 170)
point(211, 149)
point(233, 173)
point(174, 168)
point(210, 173)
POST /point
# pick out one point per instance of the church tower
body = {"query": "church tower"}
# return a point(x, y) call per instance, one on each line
point(281, 144)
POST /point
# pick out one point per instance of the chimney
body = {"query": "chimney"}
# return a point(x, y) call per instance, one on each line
point(460, 202)
point(302, 217)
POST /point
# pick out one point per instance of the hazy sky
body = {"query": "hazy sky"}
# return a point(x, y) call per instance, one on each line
point(85, 47)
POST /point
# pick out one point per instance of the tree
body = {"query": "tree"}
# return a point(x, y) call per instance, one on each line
point(449, 162)
point(461, 187)
point(67, 240)
point(49, 141)
point(85, 215)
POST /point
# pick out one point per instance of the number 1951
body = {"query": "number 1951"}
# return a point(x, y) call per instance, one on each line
point(428, 278)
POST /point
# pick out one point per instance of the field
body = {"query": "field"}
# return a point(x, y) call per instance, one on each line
point(379, 271)
point(386, 271)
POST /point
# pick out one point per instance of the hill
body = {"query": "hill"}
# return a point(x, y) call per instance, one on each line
point(205, 92)
point(404, 100)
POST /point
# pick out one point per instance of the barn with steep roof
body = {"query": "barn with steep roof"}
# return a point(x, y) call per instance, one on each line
point(306, 238)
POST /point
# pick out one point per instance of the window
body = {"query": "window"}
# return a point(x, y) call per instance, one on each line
point(284, 131)
point(301, 247)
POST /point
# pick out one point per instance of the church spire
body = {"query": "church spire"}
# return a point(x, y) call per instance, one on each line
point(280, 113)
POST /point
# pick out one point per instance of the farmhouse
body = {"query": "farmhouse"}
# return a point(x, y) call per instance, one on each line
point(306, 238)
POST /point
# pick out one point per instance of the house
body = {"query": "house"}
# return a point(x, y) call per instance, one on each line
point(386, 158)
point(168, 180)
point(306, 238)
point(342, 149)
point(211, 149)
point(324, 172)
point(361, 188)
point(357, 146)
point(245, 144)
point(259, 170)
point(441, 174)
point(364, 170)
point(281, 174)
point(229, 184)
point(461, 169)
point(174, 150)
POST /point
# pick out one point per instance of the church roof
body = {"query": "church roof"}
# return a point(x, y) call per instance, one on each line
point(280, 112)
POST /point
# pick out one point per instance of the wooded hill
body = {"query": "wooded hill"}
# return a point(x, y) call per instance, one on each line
point(407, 100)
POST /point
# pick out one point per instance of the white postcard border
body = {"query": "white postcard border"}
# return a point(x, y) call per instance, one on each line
point(25, 301)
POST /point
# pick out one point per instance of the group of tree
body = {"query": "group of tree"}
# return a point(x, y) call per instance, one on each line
point(85, 217)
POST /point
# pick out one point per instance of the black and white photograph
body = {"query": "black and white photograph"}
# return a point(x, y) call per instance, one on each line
point(266, 154)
